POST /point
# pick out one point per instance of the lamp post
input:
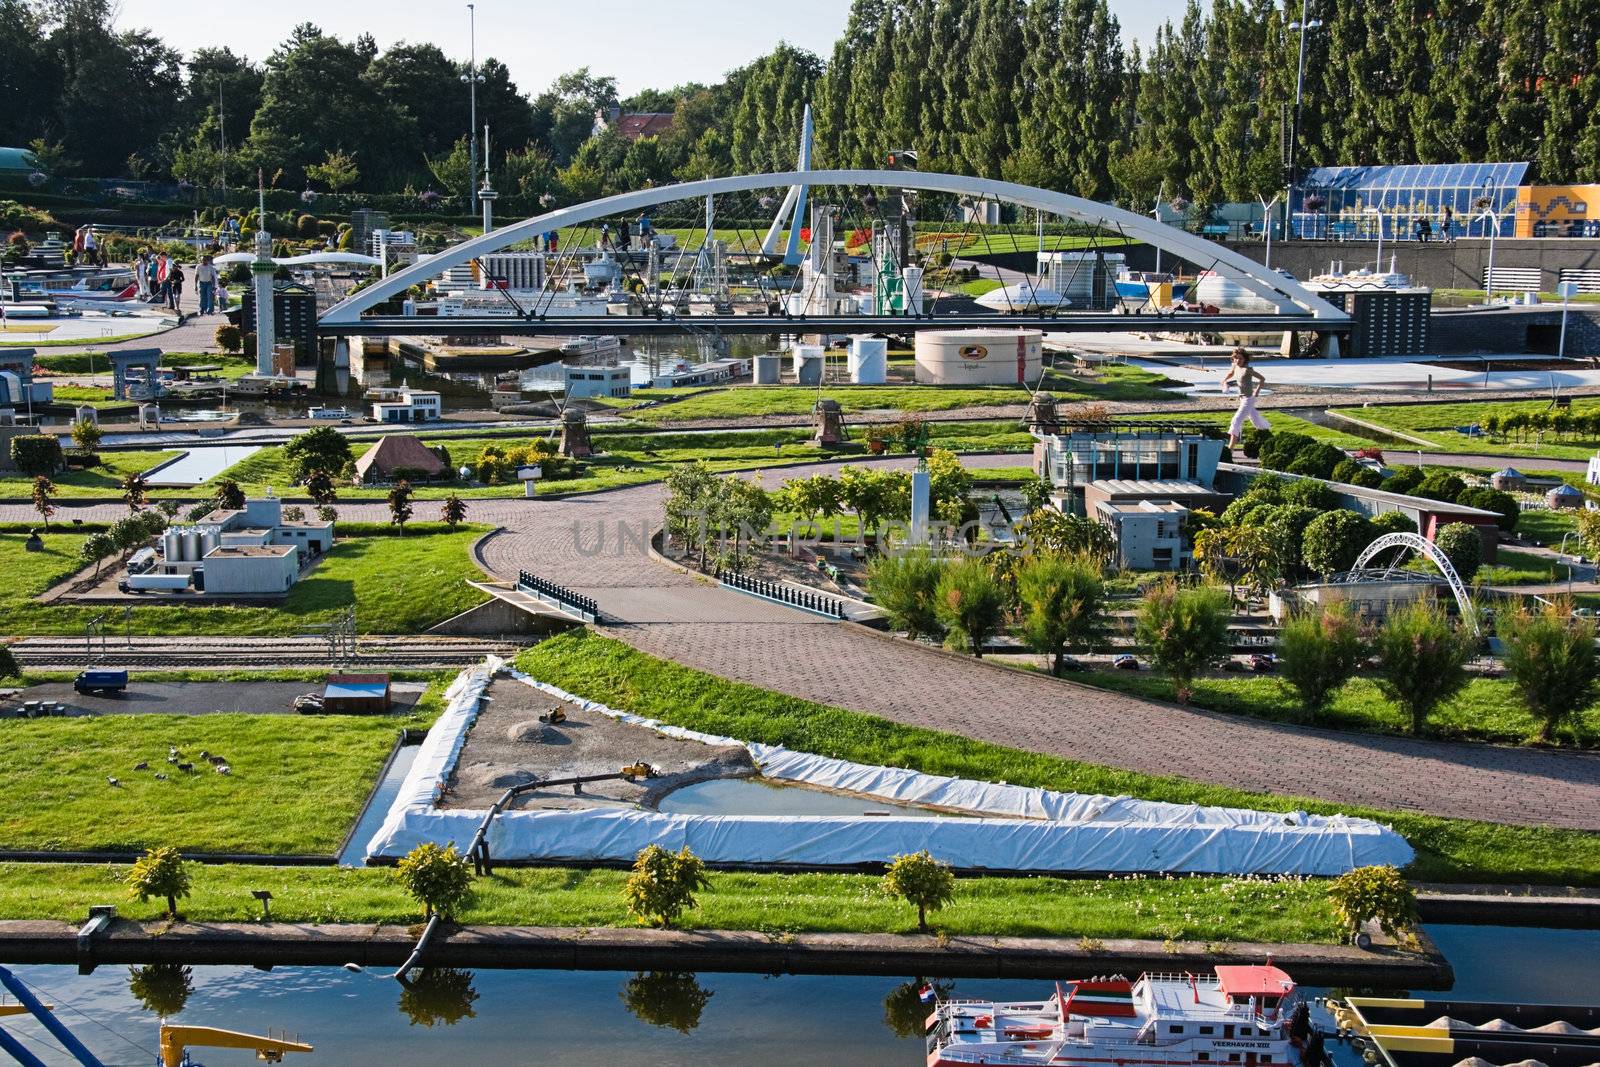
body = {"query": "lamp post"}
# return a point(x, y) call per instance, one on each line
point(472, 79)
point(1303, 25)
point(1378, 266)
point(1494, 231)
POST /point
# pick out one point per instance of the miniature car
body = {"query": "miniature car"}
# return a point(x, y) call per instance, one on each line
point(1263, 662)
point(1124, 662)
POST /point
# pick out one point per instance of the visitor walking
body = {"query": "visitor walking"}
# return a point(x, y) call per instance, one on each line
point(205, 278)
point(1445, 233)
point(624, 238)
point(175, 287)
point(1249, 381)
point(152, 279)
point(141, 274)
point(91, 248)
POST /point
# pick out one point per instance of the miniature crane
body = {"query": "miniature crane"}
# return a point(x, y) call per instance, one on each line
point(175, 1039)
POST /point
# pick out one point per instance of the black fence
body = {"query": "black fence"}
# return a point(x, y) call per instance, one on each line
point(805, 599)
point(563, 596)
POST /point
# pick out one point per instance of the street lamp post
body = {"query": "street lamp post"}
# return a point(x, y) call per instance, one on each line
point(472, 79)
point(1378, 267)
point(1303, 25)
point(1494, 231)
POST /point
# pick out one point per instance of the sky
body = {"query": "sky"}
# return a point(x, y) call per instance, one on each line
point(642, 43)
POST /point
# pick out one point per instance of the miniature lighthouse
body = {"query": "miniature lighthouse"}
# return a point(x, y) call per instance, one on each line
point(261, 271)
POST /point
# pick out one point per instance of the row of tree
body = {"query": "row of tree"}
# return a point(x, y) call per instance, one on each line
point(1041, 91)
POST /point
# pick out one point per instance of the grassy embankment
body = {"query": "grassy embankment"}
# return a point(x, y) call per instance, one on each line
point(1486, 710)
point(1438, 423)
point(399, 585)
point(104, 481)
point(1449, 850)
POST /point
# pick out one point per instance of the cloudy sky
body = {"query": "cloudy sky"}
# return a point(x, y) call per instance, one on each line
point(643, 43)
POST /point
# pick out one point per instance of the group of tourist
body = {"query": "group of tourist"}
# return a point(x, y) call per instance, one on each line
point(160, 279)
point(86, 248)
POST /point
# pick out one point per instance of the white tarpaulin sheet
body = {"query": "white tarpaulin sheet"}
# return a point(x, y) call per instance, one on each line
point(1021, 829)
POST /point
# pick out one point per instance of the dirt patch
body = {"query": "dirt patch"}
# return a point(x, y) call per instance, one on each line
point(508, 746)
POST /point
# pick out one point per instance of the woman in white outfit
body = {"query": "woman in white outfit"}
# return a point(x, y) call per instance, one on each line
point(1249, 381)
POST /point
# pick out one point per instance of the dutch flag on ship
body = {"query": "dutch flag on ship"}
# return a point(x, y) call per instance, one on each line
point(925, 994)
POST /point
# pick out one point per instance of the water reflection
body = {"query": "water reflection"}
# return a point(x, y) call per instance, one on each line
point(673, 999)
point(438, 995)
point(904, 1012)
point(163, 988)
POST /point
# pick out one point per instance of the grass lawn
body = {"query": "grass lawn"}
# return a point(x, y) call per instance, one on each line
point(1512, 567)
point(1449, 850)
point(97, 363)
point(1486, 710)
point(978, 286)
point(1198, 909)
point(83, 342)
point(296, 787)
point(1546, 526)
point(399, 585)
point(102, 481)
point(1438, 422)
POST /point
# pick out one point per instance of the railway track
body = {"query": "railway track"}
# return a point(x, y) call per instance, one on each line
point(143, 653)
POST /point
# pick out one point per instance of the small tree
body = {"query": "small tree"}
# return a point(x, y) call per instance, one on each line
point(969, 602)
point(229, 337)
point(86, 434)
point(1333, 541)
point(1374, 893)
point(135, 491)
point(337, 170)
point(159, 873)
point(1062, 601)
point(163, 988)
point(921, 881)
point(44, 493)
point(323, 448)
point(1550, 658)
point(96, 547)
point(1186, 631)
point(453, 511)
point(1423, 660)
point(320, 488)
point(228, 496)
point(9, 667)
point(400, 504)
point(1462, 546)
point(663, 884)
point(437, 878)
point(1320, 652)
point(903, 585)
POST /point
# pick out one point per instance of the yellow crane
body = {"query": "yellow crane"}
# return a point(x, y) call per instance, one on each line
point(9, 1007)
point(175, 1039)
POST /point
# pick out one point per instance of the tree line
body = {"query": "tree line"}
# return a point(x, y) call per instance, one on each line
point(1045, 92)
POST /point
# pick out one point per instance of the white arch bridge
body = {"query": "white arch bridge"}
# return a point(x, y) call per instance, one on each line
point(1410, 543)
point(1298, 307)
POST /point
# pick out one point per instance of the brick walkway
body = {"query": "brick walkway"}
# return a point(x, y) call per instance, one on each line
point(680, 617)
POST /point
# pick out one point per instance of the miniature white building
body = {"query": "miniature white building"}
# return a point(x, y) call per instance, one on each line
point(597, 381)
point(252, 550)
point(412, 406)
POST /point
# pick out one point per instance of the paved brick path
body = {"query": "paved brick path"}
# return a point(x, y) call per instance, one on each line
point(686, 619)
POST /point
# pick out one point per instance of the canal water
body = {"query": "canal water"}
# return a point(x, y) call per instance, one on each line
point(590, 1019)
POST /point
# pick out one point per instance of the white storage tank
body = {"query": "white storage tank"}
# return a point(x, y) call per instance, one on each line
point(768, 369)
point(979, 357)
point(869, 360)
point(1225, 293)
point(172, 546)
point(210, 537)
point(191, 543)
point(808, 364)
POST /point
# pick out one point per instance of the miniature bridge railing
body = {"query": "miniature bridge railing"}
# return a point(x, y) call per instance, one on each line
point(575, 603)
point(804, 599)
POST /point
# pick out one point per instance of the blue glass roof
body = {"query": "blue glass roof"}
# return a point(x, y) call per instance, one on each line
point(1417, 176)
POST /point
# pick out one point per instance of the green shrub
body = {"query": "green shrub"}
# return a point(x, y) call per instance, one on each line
point(903, 586)
point(437, 878)
point(1494, 500)
point(663, 884)
point(1317, 460)
point(1185, 630)
point(1462, 546)
point(921, 881)
point(1366, 894)
point(1440, 485)
point(9, 668)
point(1422, 660)
point(159, 873)
point(1333, 541)
point(969, 601)
point(1549, 657)
point(36, 454)
point(1063, 604)
point(1388, 522)
point(1310, 494)
point(229, 337)
point(1277, 451)
point(1404, 480)
point(1320, 651)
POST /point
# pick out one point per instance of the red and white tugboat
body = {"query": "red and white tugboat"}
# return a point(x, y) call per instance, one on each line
point(1239, 1017)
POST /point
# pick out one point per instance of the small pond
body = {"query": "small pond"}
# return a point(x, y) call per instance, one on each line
point(762, 796)
point(199, 464)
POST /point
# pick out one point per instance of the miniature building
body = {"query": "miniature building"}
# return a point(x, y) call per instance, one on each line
point(145, 360)
point(252, 550)
point(1170, 455)
point(575, 434)
point(356, 694)
point(978, 357)
point(1512, 480)
point(1564, 496)
point(17, 387)
point(828, 420)
point(597, 381)
point(418, 405)
point(1148, 518)
point(400, 453)
point(294, 317)
point(1383, 322)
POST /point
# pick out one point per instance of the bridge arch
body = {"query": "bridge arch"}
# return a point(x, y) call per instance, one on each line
point(1288, 295)
point(1417, 543)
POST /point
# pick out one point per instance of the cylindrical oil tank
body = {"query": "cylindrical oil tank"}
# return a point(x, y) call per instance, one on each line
point(191, 543)
point(978, 357)
point(768, 369)
point(808, 364)
point(869, 360)
point(172, 546)
point(1227, 294)
point(210, 537)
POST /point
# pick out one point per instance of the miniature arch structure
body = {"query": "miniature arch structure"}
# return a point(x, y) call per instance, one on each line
point(1421, 544)
point(1289, 296)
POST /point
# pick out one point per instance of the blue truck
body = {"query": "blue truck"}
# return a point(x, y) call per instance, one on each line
point(101, 680)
